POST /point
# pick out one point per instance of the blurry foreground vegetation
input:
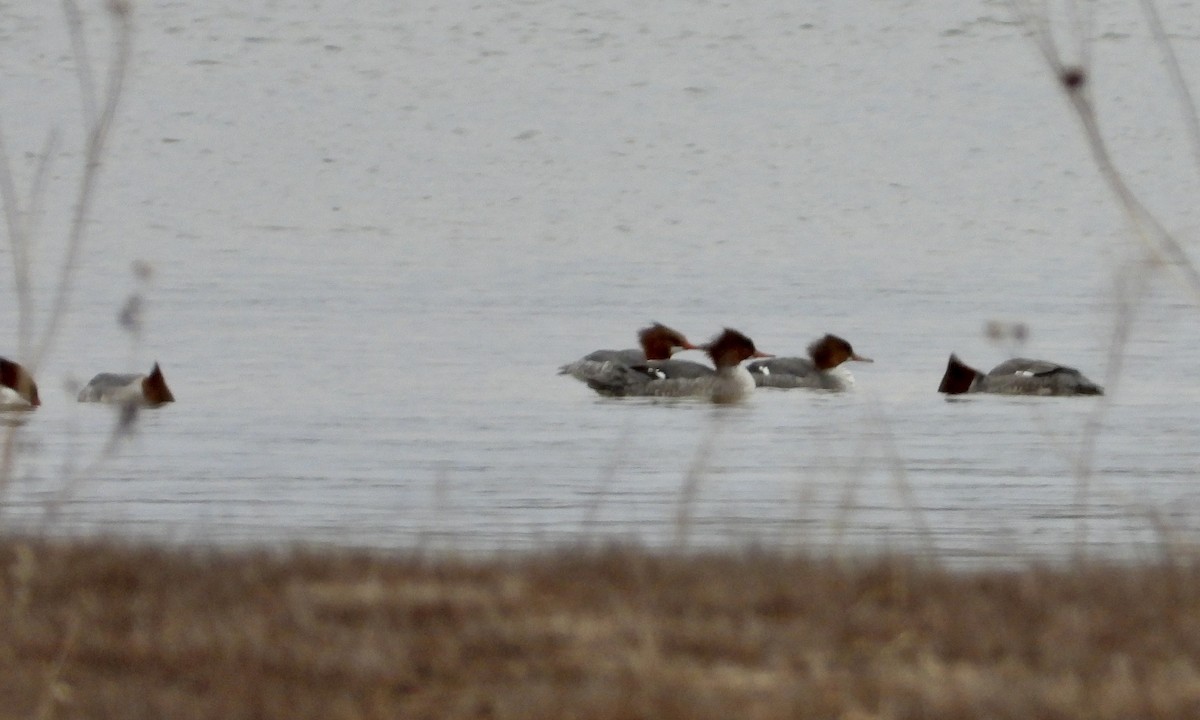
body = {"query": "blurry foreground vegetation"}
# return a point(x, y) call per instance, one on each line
point(102, 630)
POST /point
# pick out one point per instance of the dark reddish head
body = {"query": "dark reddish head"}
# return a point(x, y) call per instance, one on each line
point(958, 378)
point(154, 388)
point(659, 342)
point(730, 348)
point(831, 351)
point(18, 379)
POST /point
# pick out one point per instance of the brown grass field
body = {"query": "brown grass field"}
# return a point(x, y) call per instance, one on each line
point(96, 629)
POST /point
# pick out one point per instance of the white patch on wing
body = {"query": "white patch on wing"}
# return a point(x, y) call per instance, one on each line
point(1025, 373)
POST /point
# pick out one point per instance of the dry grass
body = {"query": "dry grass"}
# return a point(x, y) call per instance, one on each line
point(94, 629)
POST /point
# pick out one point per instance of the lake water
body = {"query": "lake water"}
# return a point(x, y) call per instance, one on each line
point(375, 234)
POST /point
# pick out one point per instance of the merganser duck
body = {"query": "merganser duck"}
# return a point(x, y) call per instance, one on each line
point(819, 370)
point(149, 390)
point(658, 342)
point(729, 382)
point(1018, 376)
point(733, 382)
point(654, 378)
point(18, 391)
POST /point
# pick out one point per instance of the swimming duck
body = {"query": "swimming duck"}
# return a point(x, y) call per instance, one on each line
point(728, 382)
point(658, 342)
point(733, 382)
point(820, 370)
point(149, 390)
point(654, 378)
point(1018, 376)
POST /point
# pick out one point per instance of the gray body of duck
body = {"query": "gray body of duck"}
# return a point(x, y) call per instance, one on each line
point(1018, 376)
point(727, 382)
point(149, 390)
point(658, 342)
point(821, 370)
point(655, 378)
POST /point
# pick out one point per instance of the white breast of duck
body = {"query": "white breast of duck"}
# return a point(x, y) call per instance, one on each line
point(821, 370)
point(733, 383)
point(149, 390)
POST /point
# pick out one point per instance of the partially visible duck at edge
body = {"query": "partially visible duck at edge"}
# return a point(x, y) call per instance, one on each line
point(658, 342)
point(18, 391)
point(820, 370)
point(148, 390)
point(728, 383)
point(1019, 376)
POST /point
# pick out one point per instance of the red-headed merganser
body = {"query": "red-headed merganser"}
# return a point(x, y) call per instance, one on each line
point(1018, 376)
point(658, 342)
point(729, 382)
point(149, 390)
point(819, 370)
point(733, 382)
point(18, 391)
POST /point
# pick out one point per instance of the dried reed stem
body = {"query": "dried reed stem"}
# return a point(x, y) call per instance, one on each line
point(1161, 245)
point(22, 223)
point(98, 133)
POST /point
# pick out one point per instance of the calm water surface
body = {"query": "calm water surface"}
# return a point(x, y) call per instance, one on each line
point(376, 235)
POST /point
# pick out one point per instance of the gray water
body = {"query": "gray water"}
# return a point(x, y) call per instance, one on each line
point(375, 234)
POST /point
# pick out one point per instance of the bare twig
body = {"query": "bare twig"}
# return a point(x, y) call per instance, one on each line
point(18, 241)
point(691, 482)
point(22, 223)
point(1074, 81)
point(83, 62)
point(93, 153)
point(1162, 247)
point(1187, 104)
point(886, 441)
point(607, 477)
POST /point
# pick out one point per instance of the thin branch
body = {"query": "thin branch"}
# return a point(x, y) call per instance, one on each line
point(1133, 285)
point(1146, 226)
point(94, 152)
point(19, 243)
point(1074, 81)
point(689, 495)
point(1187, 104)
point(1160, 245)
point(1038, 22)
point(83, 62)
point(31, 221)
point(885, 438)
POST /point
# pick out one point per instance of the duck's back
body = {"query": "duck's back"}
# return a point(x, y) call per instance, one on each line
point(655, 378)
point(677, 369)
point(796, 372)
point(113, 387)
point(601, 362)
point(1022, 376)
